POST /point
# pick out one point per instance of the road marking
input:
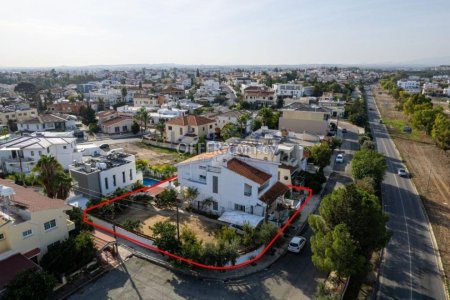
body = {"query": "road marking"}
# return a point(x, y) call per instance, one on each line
point(403, 206)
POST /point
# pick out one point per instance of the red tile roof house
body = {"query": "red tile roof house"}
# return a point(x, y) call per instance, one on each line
point(235, 183)
point(120, 124)
point(188, 129)
point(29, 223)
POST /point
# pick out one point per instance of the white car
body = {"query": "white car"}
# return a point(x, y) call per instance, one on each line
point(296, 244)
point(340, 158)
point(402, 173)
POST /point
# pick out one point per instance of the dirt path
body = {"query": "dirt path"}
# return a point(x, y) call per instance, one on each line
point(430, 168)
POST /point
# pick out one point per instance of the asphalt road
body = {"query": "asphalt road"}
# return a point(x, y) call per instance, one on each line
point(409, 267)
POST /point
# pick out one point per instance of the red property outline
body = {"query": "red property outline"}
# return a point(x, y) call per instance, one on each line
point(240, 265)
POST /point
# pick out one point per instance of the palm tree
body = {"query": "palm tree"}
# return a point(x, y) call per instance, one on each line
point(48, 168)
point(124, 93)
point(63, 183)
point(189, 194)
point(266, 115)
point(242, 121)
point(161, 126)
point(142, 117)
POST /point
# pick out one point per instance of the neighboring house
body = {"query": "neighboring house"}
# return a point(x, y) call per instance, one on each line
point(234, 183)
point(48, 122)
point(120, 124)
point(106, 115)
point(241, 80)
point(30, 223)
point(66, 107)
point(16, 114)
point(19, 155)
point(288, 90)
point(174, 92)
point(232, 117)
point(188, 129)
point(301, 118)
point(165, 114)
point(141, 100)
point(101, 176)
point(431, 88)
point(260, 96)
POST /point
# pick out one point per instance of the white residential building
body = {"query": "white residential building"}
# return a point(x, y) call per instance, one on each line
point(235, 183)
point(410, 86)
point(21, 154)
point(48, 122)
point(447, 91)
point(232, 117)
point(288, 90)
point(100, 176)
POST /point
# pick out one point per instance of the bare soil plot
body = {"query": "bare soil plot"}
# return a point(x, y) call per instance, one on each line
point(155, 155)
point(204, 229)
point(430, 167)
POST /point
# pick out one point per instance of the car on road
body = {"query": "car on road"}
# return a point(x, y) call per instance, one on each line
point(340, 158)
point(402, 172)
point(381, 121)
point(296, 244)
point(344, 130)
point(104, 146)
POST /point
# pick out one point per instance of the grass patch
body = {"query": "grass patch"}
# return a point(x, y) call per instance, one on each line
point(395, 127)
point(161, 150)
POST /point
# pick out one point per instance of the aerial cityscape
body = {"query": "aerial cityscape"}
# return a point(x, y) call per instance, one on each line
point(225, 149)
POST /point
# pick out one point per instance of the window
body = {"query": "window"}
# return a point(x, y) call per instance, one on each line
point(48, 150)
point(123, 176)
point(114, 180)
point(27, 233)
point(210, 126)
point(239, 207)
point(131, 174)
point(52, 245)
point(181, 131)
point(64, 147)
point(2, 236)
point(215, 187)
point(215, 205)
point(32, 153)
point(169, 127)
point(50, 224)
point(125, 128)
point(247, 190)
point(106, 183)
point(40, 152)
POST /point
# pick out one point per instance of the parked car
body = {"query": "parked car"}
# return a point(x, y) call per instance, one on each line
point(296, 244)
point(340, 158)
point(344, 130)
point(104, 146)
point(402, 172)
point(381, 121)
point(407, 129)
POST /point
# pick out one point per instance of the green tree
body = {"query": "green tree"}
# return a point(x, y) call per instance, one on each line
point(242, 121)
point(229, 130)
point(424, 119)
point(124, 93)
point(191, 246)
point(164, 234)
point(441, 131)
point(135, 128)
point(132, 224)
point(416, 102)
point(269, 117)
point(267, 232)
point(141, 164)
point(167, 199)
point(48, 168)
point(100, 104)
point(76, 216)
point(189, 194)
point(64, 184)
point(362, 214)
point(94, 128)
point(250, 236)
point(161, 127)
point(31, 284)
point(321, 154)
point(87, 115)
point(369, 163)
point(26, 89)
point(142, 117)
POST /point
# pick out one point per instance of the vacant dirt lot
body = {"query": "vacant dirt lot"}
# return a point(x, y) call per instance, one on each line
point(430, 168)
point(203, 228)
point(155, 155)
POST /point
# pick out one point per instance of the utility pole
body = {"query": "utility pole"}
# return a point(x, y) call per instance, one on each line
point(178, 223)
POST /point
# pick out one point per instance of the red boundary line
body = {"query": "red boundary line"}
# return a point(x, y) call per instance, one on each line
point(189, 261)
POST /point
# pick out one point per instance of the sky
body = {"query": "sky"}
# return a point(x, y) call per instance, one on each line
point(50, 33)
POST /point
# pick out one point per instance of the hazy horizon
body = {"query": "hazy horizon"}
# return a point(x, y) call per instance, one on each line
point(54, 33)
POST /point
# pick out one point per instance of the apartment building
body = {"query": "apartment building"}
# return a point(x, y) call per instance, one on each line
point(16, 114)
point(96, 177)
point(66, 107)
point(141, 100)
point(20, 155)
point(301, 118)
point(260, 96)
point(30, 223)
point(411, 86)
point(174, 92)
point(288, 90)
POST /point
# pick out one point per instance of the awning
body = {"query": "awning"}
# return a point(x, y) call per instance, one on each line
point(240, 218)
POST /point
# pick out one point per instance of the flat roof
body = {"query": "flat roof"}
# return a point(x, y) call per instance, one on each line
point(240, 218)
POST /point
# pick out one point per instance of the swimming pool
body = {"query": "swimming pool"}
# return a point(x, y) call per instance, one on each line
point(148, 181)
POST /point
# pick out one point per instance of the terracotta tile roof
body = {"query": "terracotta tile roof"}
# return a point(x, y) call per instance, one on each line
point(115, 120)
point(277, 190)
point(31, 199)
point(171, 89)
point(259, 93)
point(248, 171)
point(14, 264)
point(190, 120)
point(106, 113)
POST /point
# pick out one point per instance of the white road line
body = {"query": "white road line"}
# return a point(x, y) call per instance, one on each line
point(403, 209)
